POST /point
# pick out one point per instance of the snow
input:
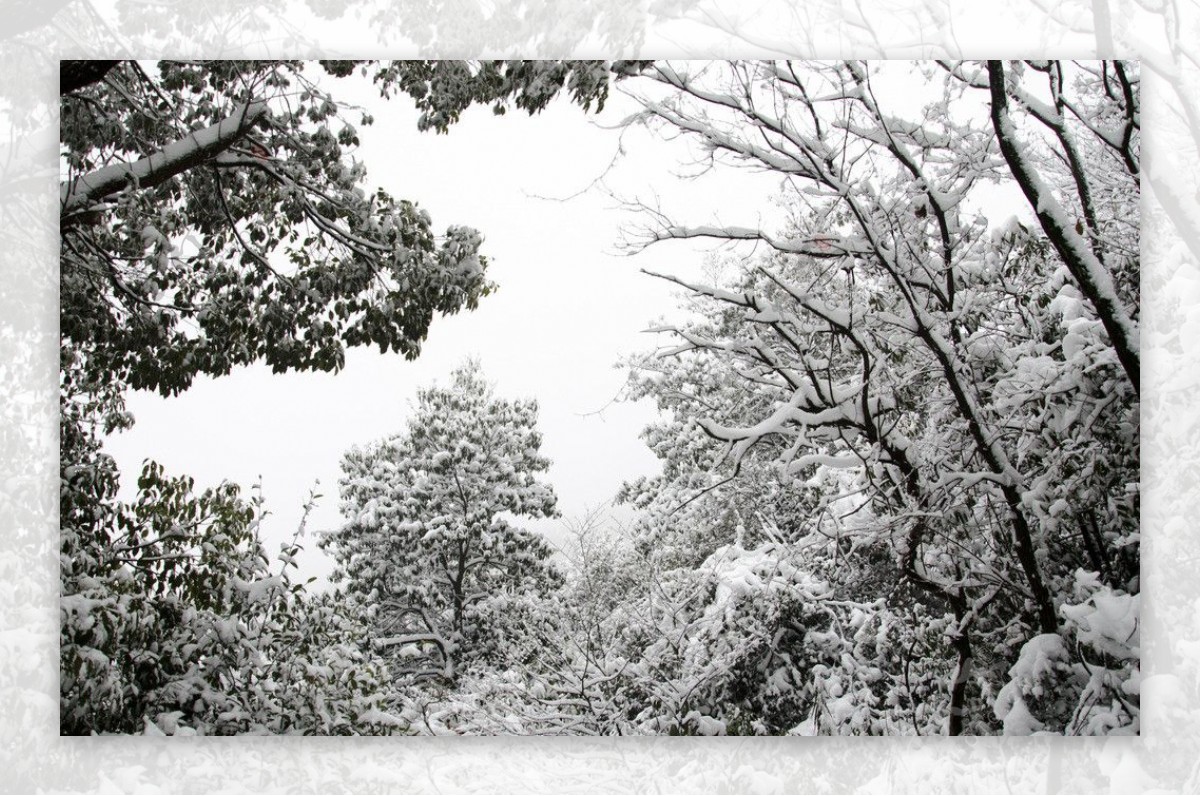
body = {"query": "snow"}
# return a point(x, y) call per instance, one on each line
point(377, 716)
point(739, 573)
point(1109, 622)
point(704, 725)
point(1017, 718)
point(824, 460)
point(261, 589)
point(172, 159)
point(1040, 659)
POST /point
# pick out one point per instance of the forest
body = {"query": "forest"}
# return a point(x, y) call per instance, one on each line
point(898, 427)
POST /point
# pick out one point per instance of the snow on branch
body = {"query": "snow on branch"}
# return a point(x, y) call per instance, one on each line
point(1093, 279)
point(817, 246)
point(197, 147)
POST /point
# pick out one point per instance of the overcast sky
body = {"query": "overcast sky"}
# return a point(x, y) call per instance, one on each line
point(570, 305)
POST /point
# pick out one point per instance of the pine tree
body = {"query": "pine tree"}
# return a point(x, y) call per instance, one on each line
point(426, 546)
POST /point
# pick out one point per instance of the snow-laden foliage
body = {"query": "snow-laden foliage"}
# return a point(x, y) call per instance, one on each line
point(175, 620)
point(939, 407)
point(899, 435)
point(213, 214)
point(428, 547)
point(1094, 691)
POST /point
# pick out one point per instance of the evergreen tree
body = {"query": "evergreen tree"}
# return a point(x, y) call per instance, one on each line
point(427, 546)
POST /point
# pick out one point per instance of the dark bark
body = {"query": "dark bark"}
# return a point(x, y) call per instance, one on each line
point(962, 673)
point(74, 75)
point(1067, 243)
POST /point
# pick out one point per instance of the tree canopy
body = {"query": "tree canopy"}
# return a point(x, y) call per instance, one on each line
point(899, 427)
point(213, 213)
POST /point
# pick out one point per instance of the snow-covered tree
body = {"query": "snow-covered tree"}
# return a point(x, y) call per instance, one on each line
point(900, 441)
point(428, 547)
point(960, 390)
point(213, 214)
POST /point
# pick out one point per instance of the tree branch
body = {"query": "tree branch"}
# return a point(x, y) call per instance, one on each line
point(1094, 281)
point(198, 147)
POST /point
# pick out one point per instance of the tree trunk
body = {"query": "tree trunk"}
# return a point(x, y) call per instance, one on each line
point(1094, 281)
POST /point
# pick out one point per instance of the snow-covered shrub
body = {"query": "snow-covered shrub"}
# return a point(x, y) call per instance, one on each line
point(1085, 681)
point(748, 643)
point(1106, 626)
point(174, 620)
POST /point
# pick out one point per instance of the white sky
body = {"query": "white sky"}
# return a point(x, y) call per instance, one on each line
point(568, 308)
